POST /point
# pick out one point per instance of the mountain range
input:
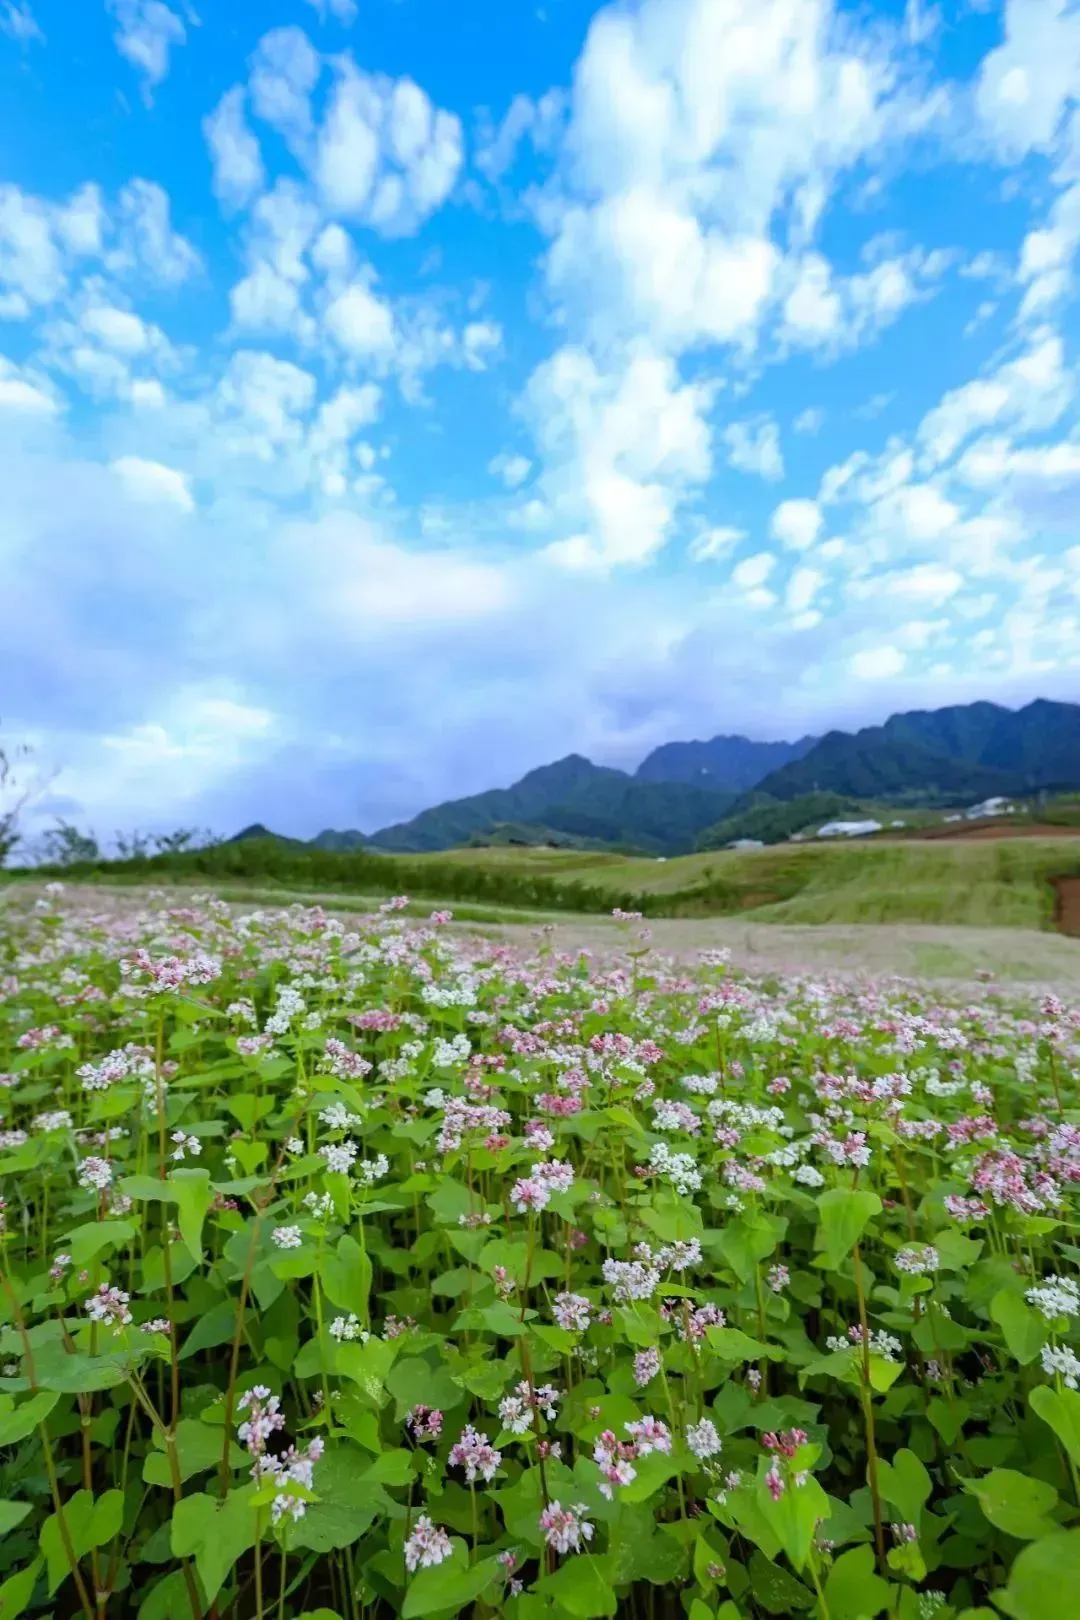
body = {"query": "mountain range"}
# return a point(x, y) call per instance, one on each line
point(688, 795)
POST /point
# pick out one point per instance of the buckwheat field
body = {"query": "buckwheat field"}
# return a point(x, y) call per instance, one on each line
point(353, 1267)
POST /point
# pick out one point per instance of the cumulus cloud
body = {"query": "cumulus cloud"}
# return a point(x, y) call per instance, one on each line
point(152, 482)
point(238, 167)
point(754, 447)
point(146, 32)
point(17, 21)
point(621, 448)
point(796, 523)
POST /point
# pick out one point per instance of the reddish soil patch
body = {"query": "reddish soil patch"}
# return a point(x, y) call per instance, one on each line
point(998, 829)
point(1067, 905)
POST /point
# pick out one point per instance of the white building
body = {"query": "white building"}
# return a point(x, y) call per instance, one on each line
point(997, 806)
point(848, 829)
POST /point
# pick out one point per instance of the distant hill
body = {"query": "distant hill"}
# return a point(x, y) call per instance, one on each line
point(944, 756)
point(257, 830)
point(728, 764)
point(688, 795)
point(575, 797)
point(339, 841)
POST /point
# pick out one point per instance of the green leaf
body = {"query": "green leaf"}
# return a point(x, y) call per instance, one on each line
point(449, 1586)
point(412, 1381)
point(1024, 1330)
point(368, 1365)
point(854, 1590)
point(216, 1326)
point(795, 1517)
point(776, 1590)
point(216, 1532)
point(16, 1425)
point(198, 1447)
point(1015, 1503)
point(844, 1213)
point(11, 1514)
point(731, 1344)
point(1061, 1410)
point(579, 1587)
point(167, 1600)
point(351, 1498)
point(89, 1524)
point(905, 1484)
point(18, 1589)
point(1042, 1577)
point(85, 1243)
point(83, 1375)
point(194, 1195)
point(346, 1277)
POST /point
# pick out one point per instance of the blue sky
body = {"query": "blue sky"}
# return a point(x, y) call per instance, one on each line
point(395, 395)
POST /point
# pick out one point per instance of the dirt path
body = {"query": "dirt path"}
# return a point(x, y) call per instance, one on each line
point(915, 950)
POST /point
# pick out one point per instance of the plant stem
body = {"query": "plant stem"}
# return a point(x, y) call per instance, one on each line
point(868, 1415)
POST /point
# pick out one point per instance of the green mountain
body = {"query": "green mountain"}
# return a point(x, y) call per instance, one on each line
point(574, 797)
point(728, 764)
point(949, 756)
point(339, 842)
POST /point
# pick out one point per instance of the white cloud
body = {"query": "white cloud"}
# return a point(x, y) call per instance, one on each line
point(753, 571)
point(17, 22)
point(620, 450)
point(238, 167)
point(361, 322)
point(715, 542)
point(754, 447)
point(23, 395)
point(1025, 394)
point(41, 243)
point(343, 10)
point(285, 68)
point(877, 663)
point(796, 523)
point(512, 470)
point(384, 154)
point(262, 402)
point(540, 122)
point(146, 32)
point(695, 127)
point(837, 312)
point(803, 586)
point(481, 341)
point(812, 420)
point(1025, 84)
point(153, 482)
point(145, 239)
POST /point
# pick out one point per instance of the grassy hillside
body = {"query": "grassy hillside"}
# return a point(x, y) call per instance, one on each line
point(986, 883)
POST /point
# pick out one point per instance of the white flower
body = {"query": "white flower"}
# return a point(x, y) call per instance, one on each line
point(1060, 1359)
point(347, 1327)
point(1055, 1296)
point(917, 1259)
point(287, 1237)
point(703, 1439)
point(96, 1173)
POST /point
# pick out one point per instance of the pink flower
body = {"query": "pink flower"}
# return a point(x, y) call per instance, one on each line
point(566, 1529)
point(428, 1546)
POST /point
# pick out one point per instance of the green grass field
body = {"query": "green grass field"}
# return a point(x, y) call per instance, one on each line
point(987, 883)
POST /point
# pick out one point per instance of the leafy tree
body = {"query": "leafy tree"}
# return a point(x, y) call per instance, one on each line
point(65, 845)
point(133, 846)
point(19, 786)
